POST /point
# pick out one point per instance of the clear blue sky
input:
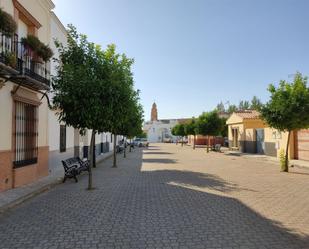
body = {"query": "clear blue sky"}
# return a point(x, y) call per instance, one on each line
point(191, 54)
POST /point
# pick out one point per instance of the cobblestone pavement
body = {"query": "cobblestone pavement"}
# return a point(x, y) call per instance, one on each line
point(168, 196)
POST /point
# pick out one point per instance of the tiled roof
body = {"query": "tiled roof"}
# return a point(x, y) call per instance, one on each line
point(248, 114)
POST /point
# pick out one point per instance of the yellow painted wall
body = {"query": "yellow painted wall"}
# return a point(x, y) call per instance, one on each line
point(241, 131)
point(250, 134)
point(274, 136)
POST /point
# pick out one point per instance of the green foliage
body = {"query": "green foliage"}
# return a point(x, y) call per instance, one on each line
point(224, 128)
point(38, 47)
point(288, 106)
point(282, 159)
point(220, 107)
point(179, 130)
point(256, 104)
point(209, 123)
point(232, 108)
point(81, 87)
point(94, 90)
point(191, 127)
point(10, 59)
point(8, 25)
point(243, 105)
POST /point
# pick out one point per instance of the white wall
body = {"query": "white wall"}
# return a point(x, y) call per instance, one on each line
point(155, 130)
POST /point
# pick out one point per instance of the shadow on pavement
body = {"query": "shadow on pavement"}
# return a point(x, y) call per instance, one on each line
point(158, 160)
point(133, 208)
point(158, 153)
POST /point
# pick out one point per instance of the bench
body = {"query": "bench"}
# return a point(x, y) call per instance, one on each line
point(217, 148)
point(119, 148)
point(73, 167)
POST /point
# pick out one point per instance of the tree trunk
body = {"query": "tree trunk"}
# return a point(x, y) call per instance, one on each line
point(208, 143)
point(130, 149)
point(194, 142)
point(94, 165)
point(91, 160)
point(124, 148)
point(114, 160)
point(181, 141)
point(286, 164)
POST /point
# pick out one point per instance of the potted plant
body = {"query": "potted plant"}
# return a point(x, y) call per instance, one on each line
point(10, 59)
point(8, 25)
point(42, 51)
point(45, 52)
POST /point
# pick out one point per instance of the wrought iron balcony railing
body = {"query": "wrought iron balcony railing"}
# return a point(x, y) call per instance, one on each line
point(23, 60)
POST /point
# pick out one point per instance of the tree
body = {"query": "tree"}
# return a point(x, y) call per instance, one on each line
point(224, 130)
point(80, 88)
point(243, 105)
point(232, 108)
point(220, 107)
point(288, 108)
point(120, 78)
point(256, 104)
point(191, 129)
point(209, 124)
point(179, 130)
point(133, 125)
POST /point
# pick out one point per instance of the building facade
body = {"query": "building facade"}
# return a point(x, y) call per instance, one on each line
point(23, 108)
point(160, 130)
point(249, 133)
point(32, 141)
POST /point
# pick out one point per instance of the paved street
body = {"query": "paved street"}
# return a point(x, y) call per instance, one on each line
point(169, 196)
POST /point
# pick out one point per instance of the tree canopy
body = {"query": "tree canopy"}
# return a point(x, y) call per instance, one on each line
point(288, 107)
point(94, 89)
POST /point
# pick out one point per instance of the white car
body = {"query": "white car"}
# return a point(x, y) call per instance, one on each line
point(141, 142)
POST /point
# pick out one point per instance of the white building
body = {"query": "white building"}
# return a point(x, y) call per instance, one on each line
point(160, 130)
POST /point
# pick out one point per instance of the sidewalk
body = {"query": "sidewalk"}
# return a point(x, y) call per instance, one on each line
point(15, 196)
point(293, 162)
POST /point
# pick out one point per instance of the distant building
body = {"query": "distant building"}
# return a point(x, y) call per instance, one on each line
point(247, 132)
point(160, 130)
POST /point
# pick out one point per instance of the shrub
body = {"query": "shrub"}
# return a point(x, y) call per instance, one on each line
point(282, 159)
point(8, 25)
point(10, 59)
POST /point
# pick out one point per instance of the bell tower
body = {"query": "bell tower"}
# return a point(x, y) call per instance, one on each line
point(154, 112)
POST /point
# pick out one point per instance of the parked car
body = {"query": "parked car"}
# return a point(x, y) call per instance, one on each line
point(167, 140)
point(141, 142)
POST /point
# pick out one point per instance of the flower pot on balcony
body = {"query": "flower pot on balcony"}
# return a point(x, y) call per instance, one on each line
point(8, 25)
point(41, 51)
point(10, 59)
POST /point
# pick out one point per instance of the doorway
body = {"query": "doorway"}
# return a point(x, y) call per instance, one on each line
point(260, 144)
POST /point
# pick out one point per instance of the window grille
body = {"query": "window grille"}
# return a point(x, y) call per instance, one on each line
point(26, 134)
point(62, 138)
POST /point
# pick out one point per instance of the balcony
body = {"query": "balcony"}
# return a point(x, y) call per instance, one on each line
point(22, 65)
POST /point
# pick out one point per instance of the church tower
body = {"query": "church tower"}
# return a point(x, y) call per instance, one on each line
point(154, 112)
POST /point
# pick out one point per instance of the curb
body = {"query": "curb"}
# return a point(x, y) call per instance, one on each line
point(48, 186)
point(26, 197)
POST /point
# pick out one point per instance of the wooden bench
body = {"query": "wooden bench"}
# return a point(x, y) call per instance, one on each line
point(73, 167)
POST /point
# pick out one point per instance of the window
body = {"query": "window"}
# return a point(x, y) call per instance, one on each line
point(26, 134)
point(63, 138)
